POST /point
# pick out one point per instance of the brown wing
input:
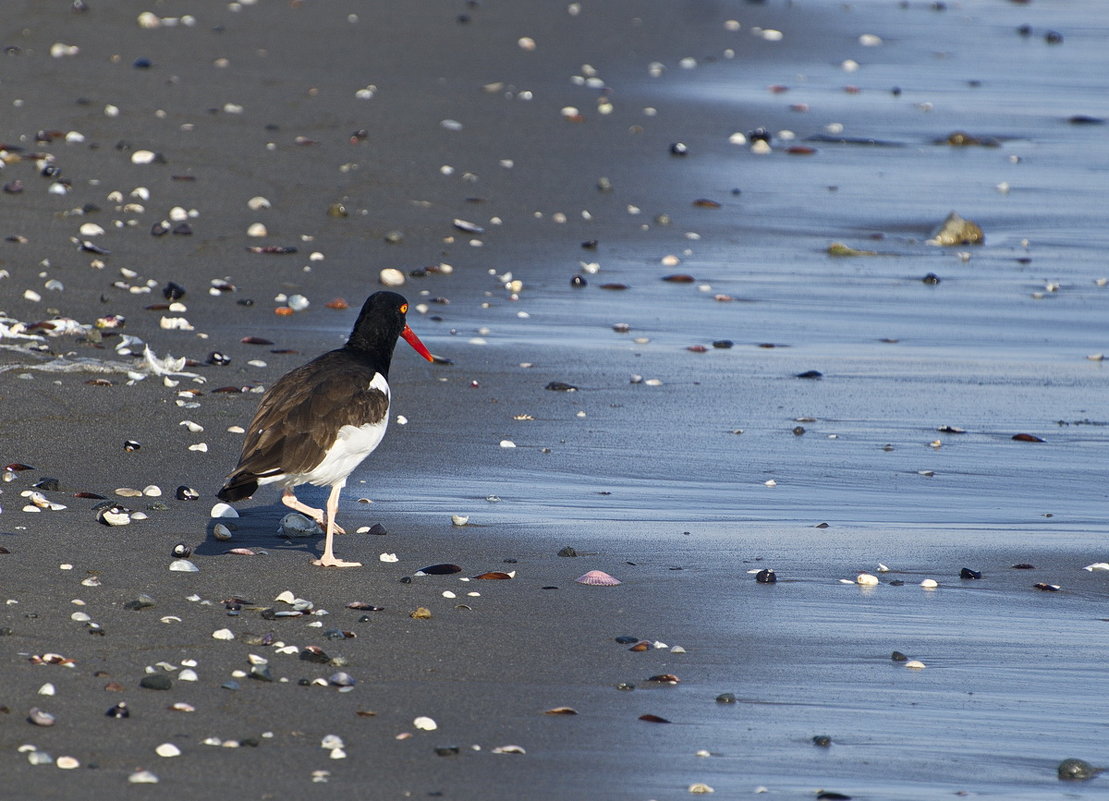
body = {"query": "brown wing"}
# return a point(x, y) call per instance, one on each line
point(300, 416)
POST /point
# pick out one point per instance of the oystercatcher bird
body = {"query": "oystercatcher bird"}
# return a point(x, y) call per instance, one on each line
point(319, 421)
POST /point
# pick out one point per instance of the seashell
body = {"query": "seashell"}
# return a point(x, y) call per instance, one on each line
point(1027, 438)
point(459, 520)
point(699, 788)
point(67, 763)
point(508, 749)
point(766, 576)
point(114, 515)
point(182, 551)
point(424, 723)
point(653, 719)
point(929, 584)
point(444, 569)
point(497, 575)
point(1047, 587)
point(561, 710)
point(221, 532)
point(1097, 566)
point(40, 718)
point(120, 710)
point(341, 679)
point(914, 664)
point(167, 750)
point(223, 634)
point(295, 524)
point(598, 578)
point(223, 510)
point(142, 776)
point(866, 579)
point(420, 613)
point(183, 566)
point(391, 277)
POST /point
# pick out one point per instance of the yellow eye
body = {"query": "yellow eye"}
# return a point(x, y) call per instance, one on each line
point(404, 308)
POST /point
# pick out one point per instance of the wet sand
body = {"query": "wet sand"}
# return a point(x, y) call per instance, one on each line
point(683, 489)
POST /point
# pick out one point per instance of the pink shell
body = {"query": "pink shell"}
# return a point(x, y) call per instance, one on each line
point(598, 578)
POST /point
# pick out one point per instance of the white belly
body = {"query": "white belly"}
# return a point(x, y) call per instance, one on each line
point(352, 446)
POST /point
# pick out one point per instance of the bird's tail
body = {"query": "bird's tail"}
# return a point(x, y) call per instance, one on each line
point(237, 487)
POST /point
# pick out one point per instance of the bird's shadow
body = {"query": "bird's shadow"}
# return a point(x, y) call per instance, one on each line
point(257, 528)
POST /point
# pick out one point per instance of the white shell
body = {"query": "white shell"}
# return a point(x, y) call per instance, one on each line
point(424, 723)
point(167, 750)
point(866, 579)
point(391, 277)
point(929, 584)
point(223, 634)
point(915, 664)
point(183, 566)
point(224, 510)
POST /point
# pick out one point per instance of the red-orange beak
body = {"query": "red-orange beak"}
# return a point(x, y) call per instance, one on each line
point(413, 340)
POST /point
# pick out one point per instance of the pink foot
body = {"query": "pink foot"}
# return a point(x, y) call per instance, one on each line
point(332, 561)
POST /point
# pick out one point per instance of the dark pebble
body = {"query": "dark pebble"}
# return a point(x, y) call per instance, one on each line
point(626, 639)
point(810, 374)
point(822, 740)
point(931, 279)
point(798, 431)
point(830, 795)
point(725, 698)
point(561, 386)
point(378, 529)
point(47, 483)
point(230, 685)
point(625, 686)
point(1071, 770)
point(173, 291)
point(567, 551)
point(131, 445)
point(1053, 37)
point(1024, 566)
point(967, 573)
point(1025, 30)
point(766, 576)
point(578, 281)
point(723, 344)
point(679, 149)
point(120, 710)
point(159, 228)
point(759, 135)
point(156, 681)
point(447, 750)
point(182, 551)
point(897, 656)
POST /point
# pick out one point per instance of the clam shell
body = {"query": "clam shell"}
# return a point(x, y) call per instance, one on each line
point(598, 578)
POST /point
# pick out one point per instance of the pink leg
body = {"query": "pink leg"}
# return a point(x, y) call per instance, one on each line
point(293, 502)
point(328, 559)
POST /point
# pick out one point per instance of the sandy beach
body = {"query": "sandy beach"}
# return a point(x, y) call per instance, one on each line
point(219, 185)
